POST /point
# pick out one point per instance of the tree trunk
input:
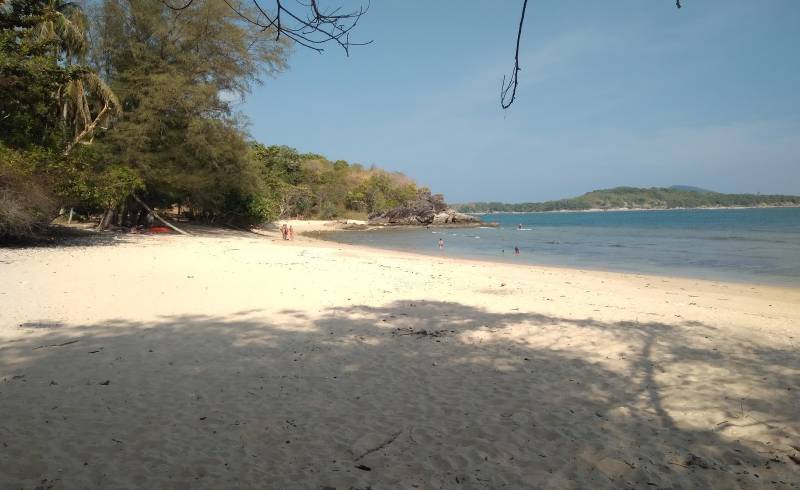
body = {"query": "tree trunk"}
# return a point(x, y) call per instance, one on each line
point(88, 130)
point(159, 218)
point(121, 214)
point(106, 219)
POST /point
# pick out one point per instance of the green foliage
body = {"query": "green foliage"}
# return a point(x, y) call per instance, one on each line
point(171, 71)
point(50, 102)
point(146, 108)
point(40, 181)
point(311, 185)
point(638, 198)
point(30, 76)
point(50, 98)
point(27, 203)
point(115, 184)
point(261, 209)
point(241, 209)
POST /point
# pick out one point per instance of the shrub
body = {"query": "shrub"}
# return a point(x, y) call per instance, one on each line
point(27, 205)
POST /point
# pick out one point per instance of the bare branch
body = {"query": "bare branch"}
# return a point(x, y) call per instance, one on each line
point(87, 131)
point(184, 7)
point(508, 91)
point(308, 26)
point(505, 99)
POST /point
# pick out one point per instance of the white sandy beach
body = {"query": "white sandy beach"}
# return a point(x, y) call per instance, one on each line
point(231, 360)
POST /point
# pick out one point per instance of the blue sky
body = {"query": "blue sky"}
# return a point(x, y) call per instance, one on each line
point(619, 92)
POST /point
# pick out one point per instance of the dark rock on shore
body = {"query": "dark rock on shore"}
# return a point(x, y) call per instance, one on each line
point(425, 210)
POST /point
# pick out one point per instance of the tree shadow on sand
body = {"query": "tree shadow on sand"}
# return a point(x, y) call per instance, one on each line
point(410, 395)
point(64, 236)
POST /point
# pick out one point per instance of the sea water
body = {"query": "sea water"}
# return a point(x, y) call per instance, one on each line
point(747, 245)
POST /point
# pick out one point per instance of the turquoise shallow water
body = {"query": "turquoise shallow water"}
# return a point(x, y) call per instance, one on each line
point(746, 245)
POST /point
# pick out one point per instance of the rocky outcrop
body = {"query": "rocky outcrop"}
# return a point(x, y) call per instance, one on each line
point(424, 210)
point(451, 217)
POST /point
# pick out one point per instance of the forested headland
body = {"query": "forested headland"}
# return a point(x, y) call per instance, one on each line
point(636, 198)
point(105, 102)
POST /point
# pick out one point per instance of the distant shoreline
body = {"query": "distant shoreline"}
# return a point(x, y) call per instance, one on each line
point(598, 210)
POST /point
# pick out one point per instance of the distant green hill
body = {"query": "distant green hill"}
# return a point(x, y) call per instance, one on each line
point(690, 188)
point(637, 198)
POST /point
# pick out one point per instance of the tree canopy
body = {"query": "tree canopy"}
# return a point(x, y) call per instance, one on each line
point(311, 185)
point(137, 96)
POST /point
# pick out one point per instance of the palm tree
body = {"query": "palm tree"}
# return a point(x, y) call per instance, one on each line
point(62, 24)
point(85, 100)
point(79, 94)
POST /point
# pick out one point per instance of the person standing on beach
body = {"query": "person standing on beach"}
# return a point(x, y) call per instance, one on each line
point(441, 244)
point(291, 233)
point(516, 250)
point(284, 231)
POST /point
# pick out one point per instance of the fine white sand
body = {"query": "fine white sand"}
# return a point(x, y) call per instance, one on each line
point(231, 360)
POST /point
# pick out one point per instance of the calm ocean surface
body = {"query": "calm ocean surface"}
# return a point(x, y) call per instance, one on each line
point(747, 245)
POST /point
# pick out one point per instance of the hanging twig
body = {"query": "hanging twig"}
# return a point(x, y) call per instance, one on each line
point(513, 81)
point(508, 91)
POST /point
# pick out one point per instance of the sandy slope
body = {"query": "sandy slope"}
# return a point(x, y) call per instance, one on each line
point(237, 361)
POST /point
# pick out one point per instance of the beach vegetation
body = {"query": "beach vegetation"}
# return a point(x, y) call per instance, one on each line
point(310, 185)
point(133, 99)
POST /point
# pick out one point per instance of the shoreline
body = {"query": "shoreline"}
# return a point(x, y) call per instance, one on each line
point(614, 210)
point(306, 237)
point(314, 234)
point(233, 358)
point(307, 233)
point(310, 231)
